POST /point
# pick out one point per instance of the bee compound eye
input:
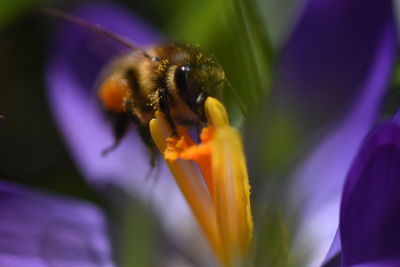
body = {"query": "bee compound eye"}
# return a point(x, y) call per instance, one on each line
point(184, 68)
point(181, 78)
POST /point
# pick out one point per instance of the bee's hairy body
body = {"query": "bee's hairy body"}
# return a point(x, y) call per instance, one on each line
point(176, 80)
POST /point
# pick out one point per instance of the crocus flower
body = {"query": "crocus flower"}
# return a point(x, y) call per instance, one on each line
point(370, 209)
point(307, 62)
point(222, 208)
point(40, 230)
point(337, 45)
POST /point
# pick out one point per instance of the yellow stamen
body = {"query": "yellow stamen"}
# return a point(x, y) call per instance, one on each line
point(190, 183)
point(222, 208)
point(216, 113)
point(232, 193)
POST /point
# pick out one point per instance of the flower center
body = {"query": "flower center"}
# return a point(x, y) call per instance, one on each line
point(212, 176)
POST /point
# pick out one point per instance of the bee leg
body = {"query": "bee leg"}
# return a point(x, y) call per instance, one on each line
point(144, 133)
point(198, 131)
point(200, 101)
point(163, 98)
point(120, 127)
point(143, 130)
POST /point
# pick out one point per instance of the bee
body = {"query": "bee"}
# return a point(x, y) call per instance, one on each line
point(174, 79)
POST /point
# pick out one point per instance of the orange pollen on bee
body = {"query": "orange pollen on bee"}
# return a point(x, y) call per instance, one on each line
point(185, 148)
point(113, 92)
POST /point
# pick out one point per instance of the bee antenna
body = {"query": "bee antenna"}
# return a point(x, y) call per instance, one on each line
point(95, 28)
point(237, 98)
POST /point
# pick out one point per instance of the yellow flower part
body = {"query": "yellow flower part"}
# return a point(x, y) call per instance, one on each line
point(219, 195)
point(216, 113)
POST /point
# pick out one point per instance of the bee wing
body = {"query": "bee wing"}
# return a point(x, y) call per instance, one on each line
point(97, 28)
point(89, 52)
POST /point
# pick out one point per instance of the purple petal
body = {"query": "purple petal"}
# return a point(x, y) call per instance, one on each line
point(333, 258)
point(78, 57)
point(370, 209)
point(383, 263)
point(330, 52)
point(319, 181)
point(44, 230)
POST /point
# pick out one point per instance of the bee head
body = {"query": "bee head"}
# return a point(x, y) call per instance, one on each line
point(198, 79)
